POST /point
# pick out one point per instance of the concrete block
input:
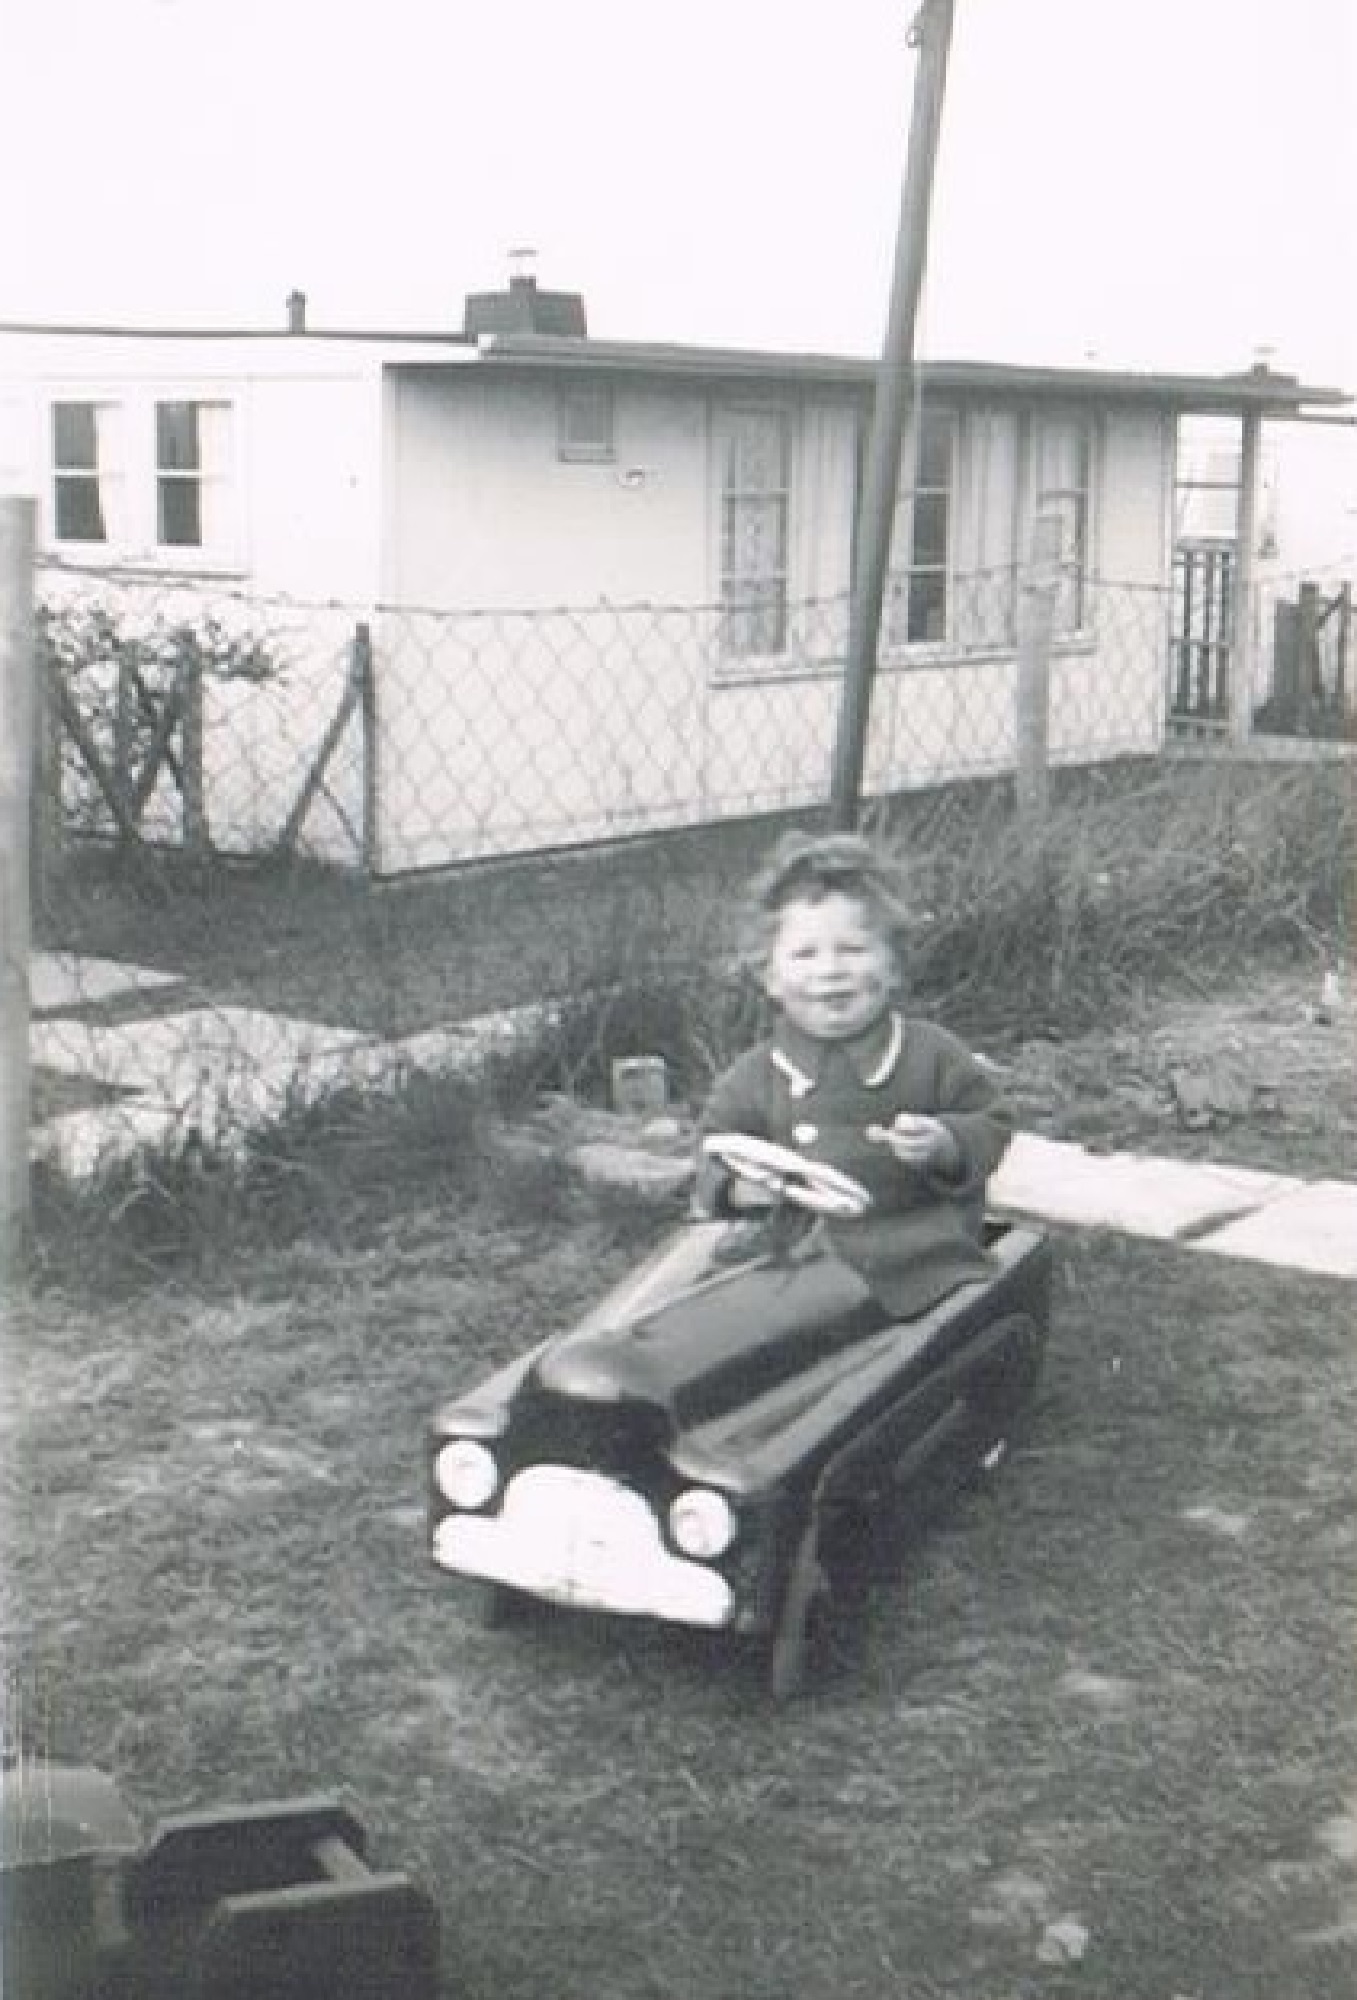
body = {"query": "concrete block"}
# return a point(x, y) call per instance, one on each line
point(62, 980)
point(1140, 1195)
point(1308, 1228)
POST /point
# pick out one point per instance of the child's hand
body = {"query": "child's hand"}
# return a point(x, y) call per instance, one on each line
point(920, 1142)
point(743, 1195)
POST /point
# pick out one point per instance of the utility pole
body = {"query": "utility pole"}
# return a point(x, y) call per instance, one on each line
point(931, 34)
point(16, 778)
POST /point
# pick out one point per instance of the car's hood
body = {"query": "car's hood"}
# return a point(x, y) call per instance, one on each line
point(694, 1335)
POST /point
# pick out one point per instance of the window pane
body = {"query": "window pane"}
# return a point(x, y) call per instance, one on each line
point(916, 610)
point(927, 606)
point(176, 437)
point(754, 621)
point(586, 420)
point(755, 538)
point(930, 529)
point(935, 449)
point(1062, 455)
point(179, 518)
point(756, 452)
point(79, 516)
point(73, 443)
point(1062, 460)
point(755, 457)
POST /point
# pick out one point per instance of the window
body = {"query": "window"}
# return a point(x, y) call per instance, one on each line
point(755, 460)
point(917, 585)
point(192, 442)
point(584, 421)
point(79, 471)
point(983, 612)
point(1061, 458)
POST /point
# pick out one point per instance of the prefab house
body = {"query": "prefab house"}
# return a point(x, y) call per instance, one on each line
point(604, 585)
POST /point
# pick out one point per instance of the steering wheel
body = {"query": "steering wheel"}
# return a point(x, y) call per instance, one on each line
point(786, 1174)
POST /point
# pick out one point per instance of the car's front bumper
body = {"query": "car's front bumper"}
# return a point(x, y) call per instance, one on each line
point(582, 1539)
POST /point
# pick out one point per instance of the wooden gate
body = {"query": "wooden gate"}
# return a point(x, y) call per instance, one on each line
point(1201, 641)
point(1311, 644)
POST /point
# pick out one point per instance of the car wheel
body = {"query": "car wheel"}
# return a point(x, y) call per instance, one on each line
point(803, 1638)
point(804, 1607)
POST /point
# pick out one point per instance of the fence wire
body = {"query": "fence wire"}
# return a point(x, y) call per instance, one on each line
point(282, 846)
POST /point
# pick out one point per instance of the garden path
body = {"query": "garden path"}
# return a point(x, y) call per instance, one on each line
point(149, 1076)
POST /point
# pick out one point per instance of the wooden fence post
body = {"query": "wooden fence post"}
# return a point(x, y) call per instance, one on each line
point(191, 758)
point(1242, 605)
point(1307, 656)
point(46, 831)
point(16, 780)
point(367, 699)
point(1340, 671)
point(1037, 588)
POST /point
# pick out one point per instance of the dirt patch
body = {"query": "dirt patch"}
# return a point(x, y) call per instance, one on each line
point(1265, 1077)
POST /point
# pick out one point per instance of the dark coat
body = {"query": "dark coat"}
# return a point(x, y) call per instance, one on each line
point(922, 1236)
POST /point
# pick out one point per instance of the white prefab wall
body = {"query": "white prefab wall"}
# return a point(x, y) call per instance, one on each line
point(485, 513)
point(546, 639)
point(509, 723)
point(297, 531)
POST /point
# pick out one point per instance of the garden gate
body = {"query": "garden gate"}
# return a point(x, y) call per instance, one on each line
point(1201, 637)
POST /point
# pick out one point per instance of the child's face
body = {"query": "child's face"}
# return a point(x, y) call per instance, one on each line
point(830, 967)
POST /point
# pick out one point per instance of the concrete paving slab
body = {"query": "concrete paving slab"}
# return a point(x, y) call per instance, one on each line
point(1142, 1195)
point(1311, 1228)
point(203, 1061)
point(58, 980)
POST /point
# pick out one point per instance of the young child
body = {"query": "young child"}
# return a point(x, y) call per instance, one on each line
point(847, 1079)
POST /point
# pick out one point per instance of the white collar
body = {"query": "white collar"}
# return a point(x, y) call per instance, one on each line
point(801, 1082)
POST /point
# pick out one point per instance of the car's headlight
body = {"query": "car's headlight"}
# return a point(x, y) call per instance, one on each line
point(702, 1523)
point(465, 1473)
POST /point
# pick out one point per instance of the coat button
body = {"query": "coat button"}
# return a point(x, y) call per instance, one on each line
point(805, 1135)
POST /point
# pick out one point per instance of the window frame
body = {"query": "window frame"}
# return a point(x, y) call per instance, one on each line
point(92, 475)
point(1073, 611)
point(575, 447)
point(901, 577)
point(739, 602)
point(207, 482)
point(130, 474)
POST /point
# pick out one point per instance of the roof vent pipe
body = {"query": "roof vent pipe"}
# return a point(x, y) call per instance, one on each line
point(296, 312)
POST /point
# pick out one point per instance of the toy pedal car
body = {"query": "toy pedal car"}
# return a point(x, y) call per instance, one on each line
point(713, 1443)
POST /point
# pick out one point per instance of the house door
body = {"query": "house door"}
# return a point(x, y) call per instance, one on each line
point(1203, 605)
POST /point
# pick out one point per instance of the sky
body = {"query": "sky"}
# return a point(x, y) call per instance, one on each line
point(1159, 183)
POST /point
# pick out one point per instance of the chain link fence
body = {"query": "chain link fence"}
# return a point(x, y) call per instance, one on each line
point(278, 847)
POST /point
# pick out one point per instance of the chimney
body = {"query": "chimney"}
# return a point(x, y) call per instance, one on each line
point(296, 312)
point(522, 307)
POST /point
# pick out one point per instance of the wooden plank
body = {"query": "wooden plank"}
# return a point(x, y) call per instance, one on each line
point(191, 776)
point(339, 722)
point(75, 726)
point(146, 703)
point(158, 750)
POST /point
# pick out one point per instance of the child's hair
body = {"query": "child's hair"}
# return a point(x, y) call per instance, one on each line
point(806, 867)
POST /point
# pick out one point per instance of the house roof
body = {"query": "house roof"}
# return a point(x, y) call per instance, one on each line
point(1261, 388)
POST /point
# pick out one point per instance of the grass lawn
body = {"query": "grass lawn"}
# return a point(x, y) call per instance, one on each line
point(1116, 1688)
